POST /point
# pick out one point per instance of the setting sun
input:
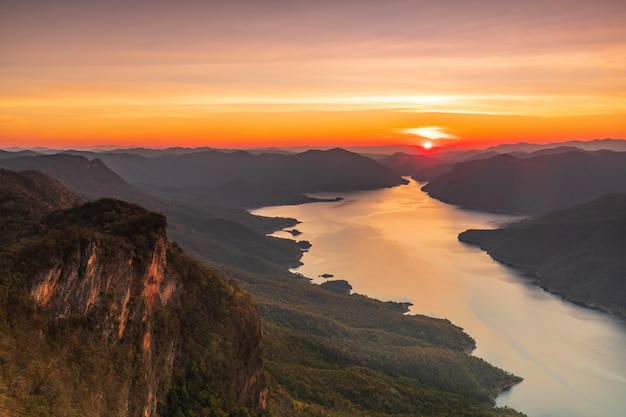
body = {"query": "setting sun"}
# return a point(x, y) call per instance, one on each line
point(94, 73)
point(427, 145)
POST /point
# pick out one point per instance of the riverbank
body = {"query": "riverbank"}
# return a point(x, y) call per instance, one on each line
point(399, 244)
point(576, 254)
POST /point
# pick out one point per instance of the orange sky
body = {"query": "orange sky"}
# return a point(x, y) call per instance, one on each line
point(244, 73)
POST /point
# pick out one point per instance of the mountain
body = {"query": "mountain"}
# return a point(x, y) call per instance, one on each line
point(101, 315)
point(423, 168)
point(407, 164)
point(278, 177)
point(578, 252)
point(447, 158)
point(13, 154)
point(616, 145)
point(26, 197)
point(89, 179)
point(237, 193)
point(545, 151)
point(150, 152)
point(220, 230)
point(536, 184)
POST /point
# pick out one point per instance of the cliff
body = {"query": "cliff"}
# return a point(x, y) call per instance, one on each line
point(100, 315)
point(578, 252)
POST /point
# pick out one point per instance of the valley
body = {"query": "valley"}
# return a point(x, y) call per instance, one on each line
point(377, 253)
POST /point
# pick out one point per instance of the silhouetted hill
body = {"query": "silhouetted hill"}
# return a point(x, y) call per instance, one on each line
point(430, 173)
point(448, 158)
point(616, 145)
point(578, 252)
point(89, 179)
point(283, 177)
point(451, 158)
point(33, 193)
point(425, 168)
point(154, 152)
point(536, 184)
point(25, 198)
point(14, 154)
point(406, 164)
point(235, 193)
point(151, 152)
point(331, 170)
point(547, 151)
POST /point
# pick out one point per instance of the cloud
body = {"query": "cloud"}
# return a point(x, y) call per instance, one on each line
point(429, 132)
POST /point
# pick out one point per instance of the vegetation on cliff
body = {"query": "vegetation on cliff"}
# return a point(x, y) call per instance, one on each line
point(100, 316)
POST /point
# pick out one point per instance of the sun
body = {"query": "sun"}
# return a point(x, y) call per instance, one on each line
point(427, 145)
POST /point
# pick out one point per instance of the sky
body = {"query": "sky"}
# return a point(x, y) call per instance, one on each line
point(323, 73)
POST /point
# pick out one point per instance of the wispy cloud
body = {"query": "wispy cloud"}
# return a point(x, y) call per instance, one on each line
point(536, 58)
point(429, 132)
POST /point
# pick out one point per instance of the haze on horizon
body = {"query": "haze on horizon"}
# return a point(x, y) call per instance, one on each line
point(277, 73)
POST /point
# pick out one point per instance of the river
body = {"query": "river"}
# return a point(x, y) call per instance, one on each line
point(400, 244)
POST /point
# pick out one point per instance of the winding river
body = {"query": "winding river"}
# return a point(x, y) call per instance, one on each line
point(400, 244)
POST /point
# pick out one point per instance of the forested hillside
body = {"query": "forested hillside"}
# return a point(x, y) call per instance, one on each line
point(101, 316)
point(578, 252)
point(317, 342)
point(531, 185)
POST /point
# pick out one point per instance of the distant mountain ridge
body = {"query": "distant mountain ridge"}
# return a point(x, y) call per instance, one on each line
point(578, 252)
point(214, 168)
point(536, 184)
point(408, 164)
point(616, 145)
point(426, 167)
point(90, 179)
point(281, 179)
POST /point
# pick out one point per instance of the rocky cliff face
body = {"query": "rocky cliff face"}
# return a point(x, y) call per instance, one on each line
point(119, 297)
point(101, 315)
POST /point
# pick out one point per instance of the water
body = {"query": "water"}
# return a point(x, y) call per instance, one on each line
point(399, 244)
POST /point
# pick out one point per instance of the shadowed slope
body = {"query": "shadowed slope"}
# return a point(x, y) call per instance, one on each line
point(578, 252)
point(537, 184)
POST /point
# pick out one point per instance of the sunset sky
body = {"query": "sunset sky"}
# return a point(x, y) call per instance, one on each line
point(277, 72)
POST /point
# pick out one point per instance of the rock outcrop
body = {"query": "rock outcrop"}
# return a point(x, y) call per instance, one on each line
point(115, 320)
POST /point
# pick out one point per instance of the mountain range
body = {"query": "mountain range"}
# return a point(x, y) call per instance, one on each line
point(243, 179)
point(535, 183)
